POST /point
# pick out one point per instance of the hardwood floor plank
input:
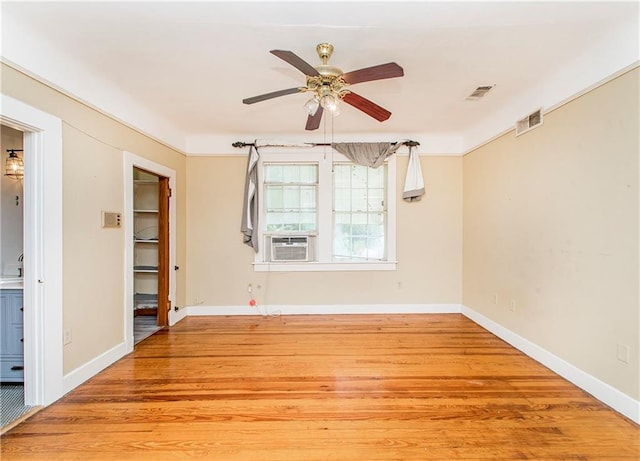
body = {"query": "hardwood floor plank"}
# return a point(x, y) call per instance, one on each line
point(406, 387)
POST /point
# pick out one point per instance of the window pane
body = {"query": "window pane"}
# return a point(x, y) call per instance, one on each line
point(308, 197)
point(359, 218)
point(307, 219)
point(342, 247)
point(291, 197)
point(273, 221)
point(342, 175)
point(274, 197)
point(291, 174)
point(342, 234)
point(358, 176)
point(291, 221)
point(359, 199)
point(307, 227)
point(375, 247)
point(308, 174)
point(377, 177)
point(342, 224)
point(375, 200)
point(375, 230)
point(273, 173)
point(359, 212)
point(359, 247)
point(342, 200)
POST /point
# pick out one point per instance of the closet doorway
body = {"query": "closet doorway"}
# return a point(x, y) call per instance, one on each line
point(151, 303)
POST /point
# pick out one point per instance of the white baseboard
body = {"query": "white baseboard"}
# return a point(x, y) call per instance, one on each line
point(607, 394)
point(176, 316)
point(326, 309)
point(81, 374)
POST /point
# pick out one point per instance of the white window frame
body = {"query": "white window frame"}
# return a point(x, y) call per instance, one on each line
point(324, 247)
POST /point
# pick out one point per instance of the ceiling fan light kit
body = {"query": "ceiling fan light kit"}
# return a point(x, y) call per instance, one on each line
point(312, 105)
point(328, 85)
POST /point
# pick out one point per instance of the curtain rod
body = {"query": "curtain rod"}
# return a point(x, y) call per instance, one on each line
point(315, 144)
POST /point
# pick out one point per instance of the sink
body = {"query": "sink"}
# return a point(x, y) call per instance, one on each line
point(11, 283)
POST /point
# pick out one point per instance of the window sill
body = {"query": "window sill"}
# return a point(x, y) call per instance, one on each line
point(325, 267)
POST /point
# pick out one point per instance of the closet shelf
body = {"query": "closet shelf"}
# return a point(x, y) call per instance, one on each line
point(145, 301)
point(146, 269)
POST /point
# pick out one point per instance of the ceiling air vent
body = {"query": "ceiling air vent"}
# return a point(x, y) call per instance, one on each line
point(529, 122)
point(479, 92)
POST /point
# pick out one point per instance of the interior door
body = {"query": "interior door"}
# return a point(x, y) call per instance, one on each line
point(164, 304)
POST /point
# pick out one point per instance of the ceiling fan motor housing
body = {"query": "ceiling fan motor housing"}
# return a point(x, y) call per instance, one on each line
point(325, 50)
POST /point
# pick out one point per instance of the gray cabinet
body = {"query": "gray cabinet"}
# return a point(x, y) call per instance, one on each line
point(11, 342)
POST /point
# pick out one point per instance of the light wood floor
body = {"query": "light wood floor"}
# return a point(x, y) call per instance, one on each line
point(305, 388)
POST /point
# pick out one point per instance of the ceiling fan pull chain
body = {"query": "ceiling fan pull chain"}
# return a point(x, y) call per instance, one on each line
point(332, 117)
point(324, 136)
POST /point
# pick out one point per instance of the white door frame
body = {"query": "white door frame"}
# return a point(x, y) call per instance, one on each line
point(43, 277)
point(131, 161)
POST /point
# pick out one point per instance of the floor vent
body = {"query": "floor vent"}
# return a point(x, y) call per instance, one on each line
point(529, 122)
point(479, 92)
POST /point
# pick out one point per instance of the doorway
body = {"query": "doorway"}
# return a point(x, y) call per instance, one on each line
point(11, 282)
point(151, 302)
point(42, 277)
point(149, 226)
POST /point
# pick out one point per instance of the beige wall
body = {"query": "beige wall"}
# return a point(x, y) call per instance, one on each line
point(429, 245)
point(93, 258)
point(551, 222)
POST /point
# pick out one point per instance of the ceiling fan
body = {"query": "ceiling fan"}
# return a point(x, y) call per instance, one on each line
point(328, 84)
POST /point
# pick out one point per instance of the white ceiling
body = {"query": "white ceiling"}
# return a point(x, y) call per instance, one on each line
point(179, 70)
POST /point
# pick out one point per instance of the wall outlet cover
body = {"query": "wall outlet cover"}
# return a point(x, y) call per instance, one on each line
point(111, 219)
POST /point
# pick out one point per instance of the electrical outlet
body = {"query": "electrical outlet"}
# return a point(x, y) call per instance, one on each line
point(495, 299)
point(250, 288)
point(512, 305)
point(623, 353)
point(67, 336)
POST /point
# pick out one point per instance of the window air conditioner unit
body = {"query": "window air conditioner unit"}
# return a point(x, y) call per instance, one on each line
point(292, 248)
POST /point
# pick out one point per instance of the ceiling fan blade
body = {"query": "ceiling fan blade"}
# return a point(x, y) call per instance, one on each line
point(382, 71)
point(313, 121)
point(366, 106)
point(274, 94)
point(297, 62)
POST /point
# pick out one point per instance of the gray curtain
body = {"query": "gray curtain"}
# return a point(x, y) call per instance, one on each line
point(371, 154)
point(249, 226)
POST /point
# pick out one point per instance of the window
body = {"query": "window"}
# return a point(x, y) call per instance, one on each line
point(342, 214)
point(359, 213)
point(290, 197)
